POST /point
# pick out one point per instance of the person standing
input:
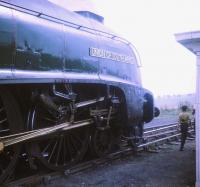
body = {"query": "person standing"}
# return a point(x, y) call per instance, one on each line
point(184, 122)
point(193, 114)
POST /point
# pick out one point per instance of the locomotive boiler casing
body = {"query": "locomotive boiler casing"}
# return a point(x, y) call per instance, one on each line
point(43, 43)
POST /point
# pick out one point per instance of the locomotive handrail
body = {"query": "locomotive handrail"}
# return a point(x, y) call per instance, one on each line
point(71, 24)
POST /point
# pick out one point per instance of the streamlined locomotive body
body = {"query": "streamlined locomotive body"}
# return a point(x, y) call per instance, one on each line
point(66, 83)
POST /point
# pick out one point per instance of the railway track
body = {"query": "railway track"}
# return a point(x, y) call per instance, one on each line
point(152, 137)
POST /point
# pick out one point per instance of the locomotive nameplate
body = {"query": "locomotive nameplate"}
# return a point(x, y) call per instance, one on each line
point(102, 53)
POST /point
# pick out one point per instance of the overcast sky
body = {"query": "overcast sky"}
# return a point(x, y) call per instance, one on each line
point(167, 67)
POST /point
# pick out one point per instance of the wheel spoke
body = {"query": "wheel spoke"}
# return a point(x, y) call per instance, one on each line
point(59, 149)
point(76, 149)
point(75, 136)
point(64, 150)
point(69, 148)
point(47, 146)
point(53, 151)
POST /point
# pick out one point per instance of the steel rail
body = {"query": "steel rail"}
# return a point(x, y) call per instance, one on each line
point(161, 139)
point(163, 133)
point(162, 127)
point(160, 134)
point(173, 128)
point(172, 125)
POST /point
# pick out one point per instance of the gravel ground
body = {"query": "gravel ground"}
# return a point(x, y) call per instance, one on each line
point(168, 168)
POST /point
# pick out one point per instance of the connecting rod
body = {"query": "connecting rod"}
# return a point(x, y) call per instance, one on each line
point(30, 135)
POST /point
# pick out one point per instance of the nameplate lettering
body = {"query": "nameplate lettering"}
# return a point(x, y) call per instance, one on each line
point(101, 53)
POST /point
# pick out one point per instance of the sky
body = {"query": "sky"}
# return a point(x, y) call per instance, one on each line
point(167, 67)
